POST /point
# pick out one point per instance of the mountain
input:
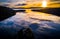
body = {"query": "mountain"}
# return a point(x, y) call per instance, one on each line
point(6, 12)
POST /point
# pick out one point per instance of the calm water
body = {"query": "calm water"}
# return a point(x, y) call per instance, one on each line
point(40, 23)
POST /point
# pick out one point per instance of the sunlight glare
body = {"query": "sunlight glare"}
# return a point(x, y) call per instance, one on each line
point(44, 3)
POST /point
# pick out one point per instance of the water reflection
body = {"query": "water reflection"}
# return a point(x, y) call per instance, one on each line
point(39, 24)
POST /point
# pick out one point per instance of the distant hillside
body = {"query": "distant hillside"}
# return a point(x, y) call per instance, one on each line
point(6, 12)
point(54, 11)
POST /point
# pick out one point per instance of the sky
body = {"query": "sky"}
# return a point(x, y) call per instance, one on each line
point(19, 0)
point(11, 0)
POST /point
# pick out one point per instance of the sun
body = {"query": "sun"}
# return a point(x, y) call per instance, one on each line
point(44, 3)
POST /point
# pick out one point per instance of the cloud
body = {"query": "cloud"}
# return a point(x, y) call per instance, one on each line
point(12, 0)
point(3, 0)
point(22, 0)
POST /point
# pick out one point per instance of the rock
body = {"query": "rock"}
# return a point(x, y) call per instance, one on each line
point(20, 34)
point(28, 34)
point(25, 34)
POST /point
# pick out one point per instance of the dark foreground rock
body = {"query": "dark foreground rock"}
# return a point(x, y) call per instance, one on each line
point(6, 12)
point(25, 34)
